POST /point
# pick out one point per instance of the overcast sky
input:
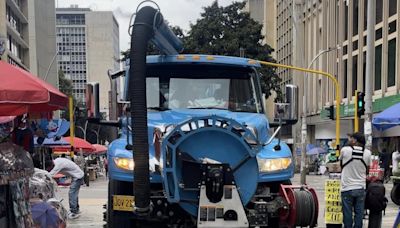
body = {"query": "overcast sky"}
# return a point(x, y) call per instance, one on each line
point(177, 12)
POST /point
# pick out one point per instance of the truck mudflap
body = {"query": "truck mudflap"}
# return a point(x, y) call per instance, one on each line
point(302, 209)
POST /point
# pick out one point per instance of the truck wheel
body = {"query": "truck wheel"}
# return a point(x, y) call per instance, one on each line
point(115, 219)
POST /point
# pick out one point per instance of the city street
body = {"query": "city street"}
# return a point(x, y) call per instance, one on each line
point(93, 198)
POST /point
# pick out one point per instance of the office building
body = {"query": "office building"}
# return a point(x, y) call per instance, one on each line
point(28, 30)
point(336, 32)
point(88, 45)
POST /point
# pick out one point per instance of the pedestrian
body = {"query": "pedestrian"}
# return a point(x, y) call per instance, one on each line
point(375, 201)
point(105, 162)
point(69, 168)
point(354, 160)
point(384, 158)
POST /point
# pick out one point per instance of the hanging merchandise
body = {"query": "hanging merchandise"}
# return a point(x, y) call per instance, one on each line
point(47, 210)
point(16, 167)
point(20, 198)
point(42, 185)
point(15, 163)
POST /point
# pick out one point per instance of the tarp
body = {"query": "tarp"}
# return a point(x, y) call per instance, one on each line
point(80, 144)
point(22, 92)
point(388, 118)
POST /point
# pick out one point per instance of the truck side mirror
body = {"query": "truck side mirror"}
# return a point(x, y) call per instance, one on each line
point(288, 112)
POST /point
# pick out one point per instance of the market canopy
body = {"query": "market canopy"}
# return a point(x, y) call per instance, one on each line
point(388, 118)
point(22, 92)
point(81, 144)
point(99, 149)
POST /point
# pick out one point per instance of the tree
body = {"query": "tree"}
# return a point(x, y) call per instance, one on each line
point(65, 84)
point(66, 87)
point(227, 31)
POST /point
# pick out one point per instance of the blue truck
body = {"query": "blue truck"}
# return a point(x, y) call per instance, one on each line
point(195, 148)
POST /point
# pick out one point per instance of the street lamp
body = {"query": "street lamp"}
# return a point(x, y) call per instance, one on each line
point(304, 117)
point(83, 130)
point(52, 61)
point(97, 134)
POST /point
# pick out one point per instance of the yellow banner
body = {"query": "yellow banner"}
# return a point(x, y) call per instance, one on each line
point(333, 204)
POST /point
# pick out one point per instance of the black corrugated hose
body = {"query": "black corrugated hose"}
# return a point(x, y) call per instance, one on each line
point(142, 32)
point(305, 208)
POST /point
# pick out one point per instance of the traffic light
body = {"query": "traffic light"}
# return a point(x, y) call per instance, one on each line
point(331, 112)
point(360, 104)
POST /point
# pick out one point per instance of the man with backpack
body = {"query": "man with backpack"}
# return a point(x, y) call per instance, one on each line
point(354, 160)
point(375, 201)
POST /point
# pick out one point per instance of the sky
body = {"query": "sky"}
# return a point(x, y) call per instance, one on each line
point(176, 12)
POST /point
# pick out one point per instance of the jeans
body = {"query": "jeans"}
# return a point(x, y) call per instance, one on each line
point(353, 199)
point(73, 194)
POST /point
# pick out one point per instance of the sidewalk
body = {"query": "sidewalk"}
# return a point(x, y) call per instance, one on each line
point(91, 200)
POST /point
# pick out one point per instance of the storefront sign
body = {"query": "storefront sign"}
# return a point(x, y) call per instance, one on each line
point(333, 204)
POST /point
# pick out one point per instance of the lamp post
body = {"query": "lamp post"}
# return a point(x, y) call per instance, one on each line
point(83, 130)
point(52, 61)
point(97, 134)
point(303, 165)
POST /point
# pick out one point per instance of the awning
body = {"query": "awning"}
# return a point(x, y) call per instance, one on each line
point(388, 118)
point(22, 92)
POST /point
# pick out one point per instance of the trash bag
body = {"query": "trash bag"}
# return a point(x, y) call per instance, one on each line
point(42, 185)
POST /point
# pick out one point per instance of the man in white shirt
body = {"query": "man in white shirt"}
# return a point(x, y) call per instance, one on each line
point(69, 168)
point(354, 160)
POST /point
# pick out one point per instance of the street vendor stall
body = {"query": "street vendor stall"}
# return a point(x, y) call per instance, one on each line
point(20, 93)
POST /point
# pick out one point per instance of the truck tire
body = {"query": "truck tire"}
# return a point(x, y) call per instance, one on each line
point(115, 219)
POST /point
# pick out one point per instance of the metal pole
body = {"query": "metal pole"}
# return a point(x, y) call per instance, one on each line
point(71, 124)
point(369, 76)
point(356, 120)
point(51, 63)
point(317, 72)
point(304, 165)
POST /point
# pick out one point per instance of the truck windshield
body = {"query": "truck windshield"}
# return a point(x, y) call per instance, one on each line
point(203, 88)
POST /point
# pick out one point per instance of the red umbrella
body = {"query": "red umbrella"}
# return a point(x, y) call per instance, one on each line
point(81, 144)
point(99, 149)
point(22, 92)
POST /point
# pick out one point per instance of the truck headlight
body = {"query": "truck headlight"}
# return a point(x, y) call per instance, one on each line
point(125, 163)
point(271, 165)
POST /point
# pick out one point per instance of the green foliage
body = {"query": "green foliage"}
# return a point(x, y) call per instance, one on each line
point(228, 31)
point(65, 84)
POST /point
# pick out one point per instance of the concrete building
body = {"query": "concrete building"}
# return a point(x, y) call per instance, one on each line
point(28, 28)
point(276, 17)
point(88, 45)
point(323, 25)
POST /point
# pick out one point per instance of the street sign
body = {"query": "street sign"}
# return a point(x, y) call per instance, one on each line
point(333, 203)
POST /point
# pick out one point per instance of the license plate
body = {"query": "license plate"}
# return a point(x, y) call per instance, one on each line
point(123, 203)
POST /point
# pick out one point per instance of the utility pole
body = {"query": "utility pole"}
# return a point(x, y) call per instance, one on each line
point(370, 71)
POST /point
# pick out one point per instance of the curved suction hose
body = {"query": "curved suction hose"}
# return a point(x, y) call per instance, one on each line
point(149, 26)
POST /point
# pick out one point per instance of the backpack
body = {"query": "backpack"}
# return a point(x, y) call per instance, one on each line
point(375, 199)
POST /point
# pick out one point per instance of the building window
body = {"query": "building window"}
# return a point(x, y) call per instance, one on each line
point(392, 7)
point(355, 45)
point(392, 27)
point(379, 11)
point(391, 63)
point(364, 69)
point(378, 34)
point(365, 13)
point(346, 21)
point(355, 17)
point(345, 50)
point(344, 79)
point(354, 75)
point(378, 67)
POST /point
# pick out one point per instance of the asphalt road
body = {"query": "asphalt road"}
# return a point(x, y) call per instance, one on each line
point(92, 199)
